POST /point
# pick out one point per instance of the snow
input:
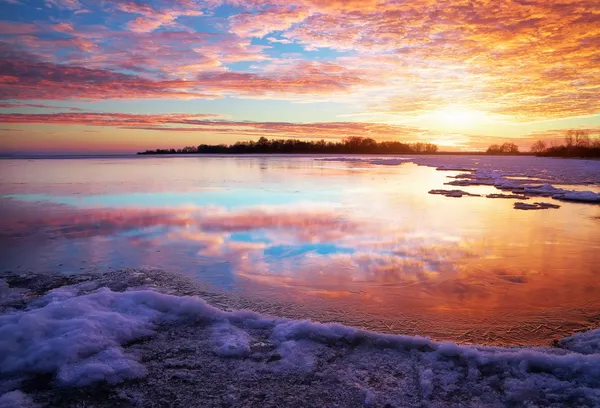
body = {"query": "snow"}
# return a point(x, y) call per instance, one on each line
point(453, 193)
point(230, 341)
point(583, 196)
point(77, 337)
point(510, 173)
point(509, 196)
point(82, 336)
point(16, 399)
point(535, 206)
point(585, 342)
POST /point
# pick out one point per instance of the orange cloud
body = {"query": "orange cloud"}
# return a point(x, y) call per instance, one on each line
point(259, 25)
point(206, 123)
point(527, 60)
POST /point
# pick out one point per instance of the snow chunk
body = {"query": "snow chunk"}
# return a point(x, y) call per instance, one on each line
point(230, 341)
point(511, 196)
point(80, 337)
point(453, 193)
point(453, 168)
point(16, 399)
point(543, 190)
point(534, 206)
point(584, 343)
point(582, 196)
point(111, 365)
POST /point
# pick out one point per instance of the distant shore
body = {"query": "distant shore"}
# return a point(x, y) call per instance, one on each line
point(478, 153)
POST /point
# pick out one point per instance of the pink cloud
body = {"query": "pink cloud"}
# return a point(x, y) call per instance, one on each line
point(265, 22)
point(36, 80)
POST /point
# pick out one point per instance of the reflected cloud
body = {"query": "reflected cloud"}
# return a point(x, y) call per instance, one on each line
point(376, 247)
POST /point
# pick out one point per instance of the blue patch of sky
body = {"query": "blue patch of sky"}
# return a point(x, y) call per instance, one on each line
point(237, 108)
point(26, 13)
point(281, 50)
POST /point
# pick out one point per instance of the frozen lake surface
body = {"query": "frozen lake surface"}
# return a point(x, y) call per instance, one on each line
point(354, 240)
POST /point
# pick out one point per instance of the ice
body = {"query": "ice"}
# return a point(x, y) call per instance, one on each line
point(508, 196)
point(534, 206)
point(511, 173)
point(583, 196)
point(83, 336)
point(453, 193)
point(379, 161)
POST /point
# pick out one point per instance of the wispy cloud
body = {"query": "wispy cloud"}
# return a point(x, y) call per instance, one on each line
point(525, 60)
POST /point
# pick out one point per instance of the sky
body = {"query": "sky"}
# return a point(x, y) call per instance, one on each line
point(111, 76)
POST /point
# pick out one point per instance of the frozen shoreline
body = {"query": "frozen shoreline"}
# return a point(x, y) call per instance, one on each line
point(114, 339)
point(532, 178)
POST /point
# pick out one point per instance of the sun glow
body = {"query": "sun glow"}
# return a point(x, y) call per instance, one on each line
point(457, 116)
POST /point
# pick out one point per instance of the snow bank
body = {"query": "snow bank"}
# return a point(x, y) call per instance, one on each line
point(80, 338)
point(84, 338)
point(584, 343)
point(16, 399)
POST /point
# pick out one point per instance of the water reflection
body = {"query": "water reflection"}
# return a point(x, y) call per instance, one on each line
point(365, 246)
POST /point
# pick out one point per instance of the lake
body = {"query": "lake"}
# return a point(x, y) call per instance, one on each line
point(357, 240)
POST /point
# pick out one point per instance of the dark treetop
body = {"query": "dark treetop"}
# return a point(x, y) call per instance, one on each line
point(352, 144)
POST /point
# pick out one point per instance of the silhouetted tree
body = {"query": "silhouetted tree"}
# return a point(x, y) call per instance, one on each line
point(538, 147)
point(577, 144)
point(494, 149)
point(510, 148)
point(504, 148)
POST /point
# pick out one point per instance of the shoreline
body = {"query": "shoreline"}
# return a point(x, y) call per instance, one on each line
point(150, 349)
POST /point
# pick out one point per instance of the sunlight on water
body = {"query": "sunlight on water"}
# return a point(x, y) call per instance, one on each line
point(362, 244)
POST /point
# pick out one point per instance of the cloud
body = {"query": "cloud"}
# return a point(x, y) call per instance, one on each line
point(17, 105)
point(21, 79)
point(151, 19)
point(206, 123)
point(64, 4)
point(304, 78)
point(265, 22)
point(102, 119)
point(527, 60)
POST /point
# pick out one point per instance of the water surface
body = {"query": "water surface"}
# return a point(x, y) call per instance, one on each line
point(353, 242)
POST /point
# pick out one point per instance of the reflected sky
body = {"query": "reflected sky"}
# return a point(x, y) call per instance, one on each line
point(344, 241)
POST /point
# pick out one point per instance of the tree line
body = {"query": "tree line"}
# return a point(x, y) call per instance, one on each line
point(353, 144)
point(577, 143)
point(504, 148)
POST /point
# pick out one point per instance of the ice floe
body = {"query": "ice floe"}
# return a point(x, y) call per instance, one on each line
point(508, 196)
point(453, 193)
point(519, 175)
point(535, 206)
